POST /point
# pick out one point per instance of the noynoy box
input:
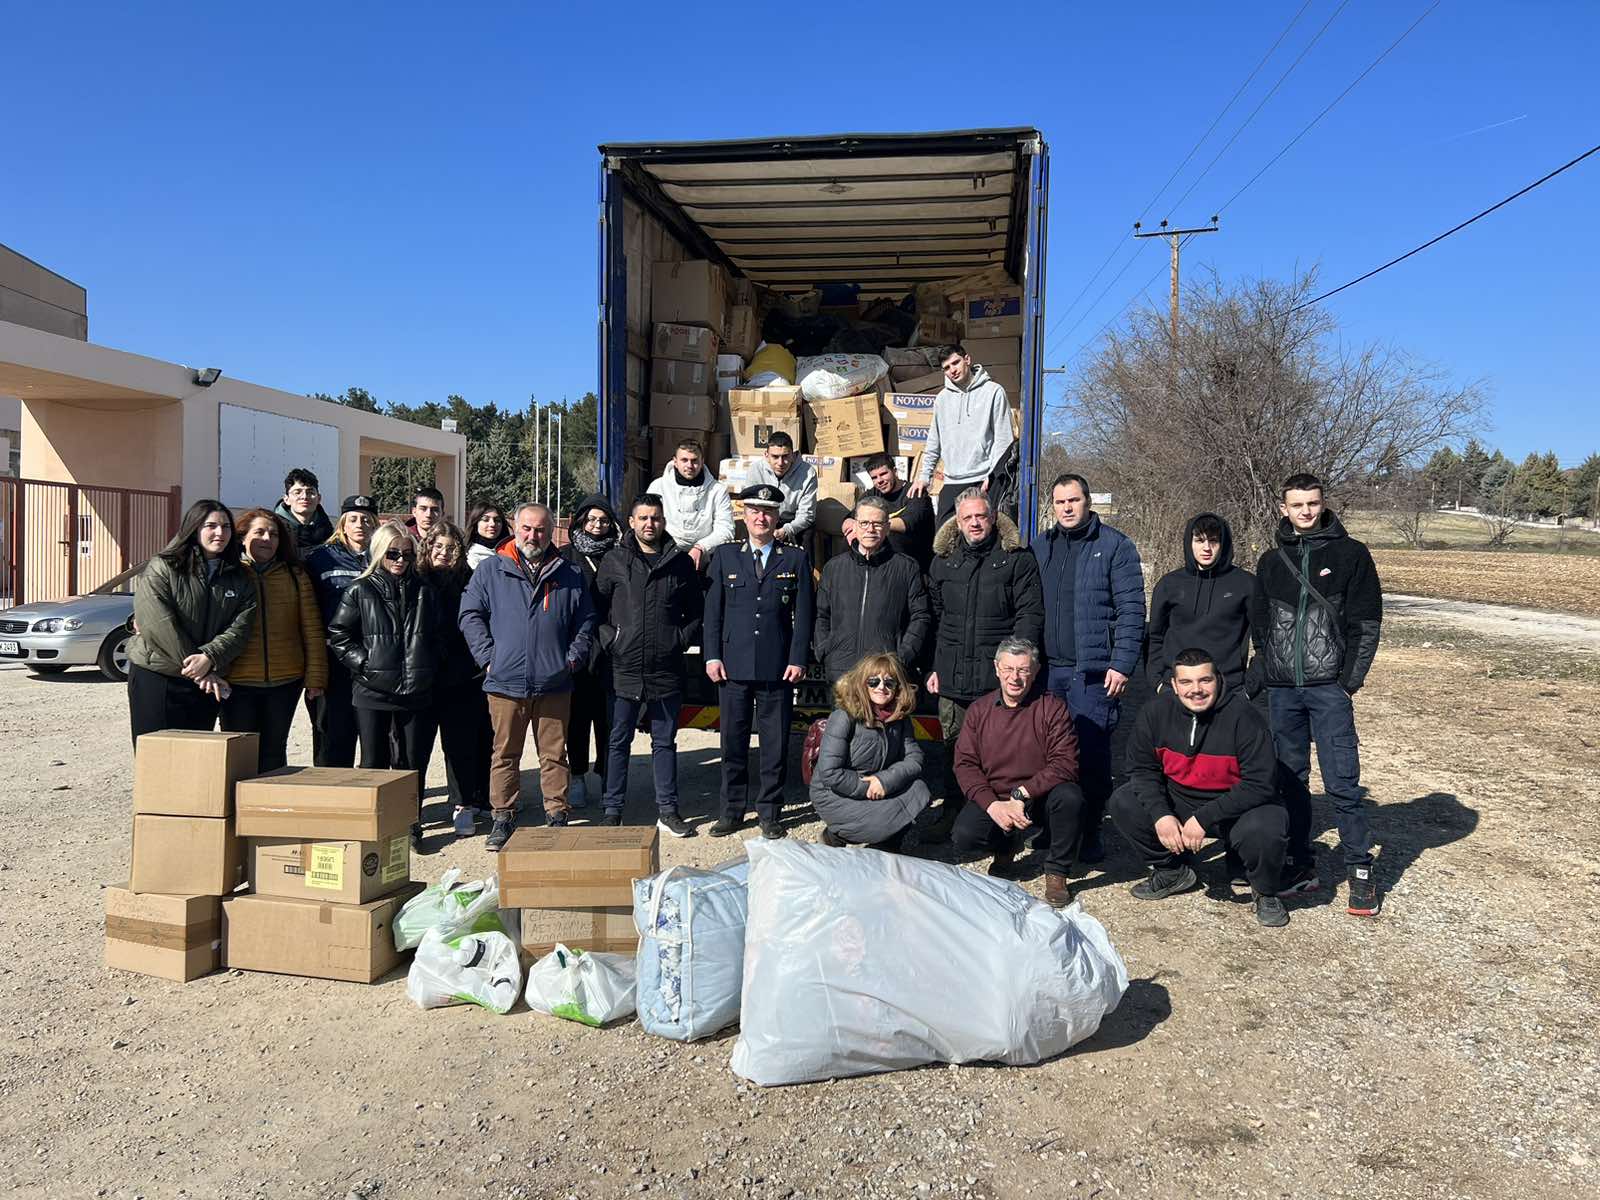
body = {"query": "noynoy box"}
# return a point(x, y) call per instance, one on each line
point(341, 872)
point(170, 937)
point(845, 427)
point(912, 415)
point(585, 866)
point(352, 942)
point(685, 343)
point(185, 856)
point(327, 803)
point(579, 929)
point(187, 773)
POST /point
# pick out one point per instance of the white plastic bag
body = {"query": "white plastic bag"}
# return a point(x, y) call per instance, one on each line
point(451, 907)
point(591, 986)
point(835, 376)
point(471, 968)
point(857, 962)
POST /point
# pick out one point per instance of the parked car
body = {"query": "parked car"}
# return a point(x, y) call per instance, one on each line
point(91, 630)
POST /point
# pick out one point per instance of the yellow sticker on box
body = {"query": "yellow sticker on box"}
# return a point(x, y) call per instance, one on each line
point(397, 862)
point(326, 869)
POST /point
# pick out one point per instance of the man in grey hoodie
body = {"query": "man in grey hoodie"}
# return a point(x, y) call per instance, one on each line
point(970, 434)
point(784, 469)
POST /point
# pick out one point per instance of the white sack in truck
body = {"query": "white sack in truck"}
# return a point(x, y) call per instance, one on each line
point(857, 962)
point(835, 376)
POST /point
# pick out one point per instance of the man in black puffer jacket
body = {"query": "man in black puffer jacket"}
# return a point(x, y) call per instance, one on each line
point(985, 588)
point(1315, 616)
point(1206, 603)
point(871, 599)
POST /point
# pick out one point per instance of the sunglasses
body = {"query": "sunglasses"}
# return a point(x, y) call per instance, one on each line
point(400, 555)
point(883, 681)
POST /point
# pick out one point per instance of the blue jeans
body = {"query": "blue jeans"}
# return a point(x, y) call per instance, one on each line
point(1322, 712)
point(1094, 717)
point(663, 749)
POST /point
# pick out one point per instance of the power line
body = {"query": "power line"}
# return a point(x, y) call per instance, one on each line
point(1454, 229)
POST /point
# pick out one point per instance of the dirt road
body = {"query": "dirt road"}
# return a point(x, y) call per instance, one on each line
point(1445, 1049)
point(1498, 620)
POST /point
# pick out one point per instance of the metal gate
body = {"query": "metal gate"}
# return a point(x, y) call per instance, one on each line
point(64, 539)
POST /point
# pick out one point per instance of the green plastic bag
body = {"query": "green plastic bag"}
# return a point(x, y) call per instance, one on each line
point(591, 987)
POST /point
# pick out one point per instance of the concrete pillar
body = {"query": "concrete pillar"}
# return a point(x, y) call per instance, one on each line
point(450, 479)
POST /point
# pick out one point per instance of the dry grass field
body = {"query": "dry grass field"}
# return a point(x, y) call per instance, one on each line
point(1560, 582)
point(1466, 531)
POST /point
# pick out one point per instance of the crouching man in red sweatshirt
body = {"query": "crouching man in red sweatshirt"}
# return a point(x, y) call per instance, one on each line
point(1017, 763)
point(1201, 766)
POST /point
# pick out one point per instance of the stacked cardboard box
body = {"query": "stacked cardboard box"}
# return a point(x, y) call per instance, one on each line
point(575, 885)
point(754, 414)
point(330, 865)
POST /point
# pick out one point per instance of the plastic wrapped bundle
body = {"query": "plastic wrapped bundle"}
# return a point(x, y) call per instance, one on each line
point(835, 376)
point(691, 949)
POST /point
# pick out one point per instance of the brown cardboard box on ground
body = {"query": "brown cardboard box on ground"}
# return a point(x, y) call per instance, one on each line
point(185, 856)
point(664, 441)
point(681, 411)
point(170, 937)
point(847, 427)
point(579, 929)
point(186, 773)
point(912, 416)
point(689, 293)
point(835, 502)
point(754, 414)
point(327, 803)
point(994, 352)
point(685, 343)
point(674, 378)
point(579, 866)
point(352, 942)
point(340, 872)
point(742, 333)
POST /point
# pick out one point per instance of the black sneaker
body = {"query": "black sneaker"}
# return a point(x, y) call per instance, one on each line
point(611, 818)
point(504, 827)
point(725, 827)
point(1093, 851)
point(556, 820)
point(1270, 911)
point(671, 822)
point(416, 835)
point(1298, 879)
point(830, 838)
point(1164, 882)
point(1005, 866)
point(1364, 900)
point(773, 831)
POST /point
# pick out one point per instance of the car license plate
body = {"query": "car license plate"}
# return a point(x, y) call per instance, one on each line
point(11, 648)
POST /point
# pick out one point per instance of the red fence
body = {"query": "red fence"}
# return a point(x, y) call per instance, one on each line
point(64, 539)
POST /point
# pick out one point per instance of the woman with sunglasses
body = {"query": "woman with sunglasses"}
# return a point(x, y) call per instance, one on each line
point(386, 632)
point(487, 531)
point(867, 786)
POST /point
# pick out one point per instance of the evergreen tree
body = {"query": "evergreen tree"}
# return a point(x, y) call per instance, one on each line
point(1584, 484)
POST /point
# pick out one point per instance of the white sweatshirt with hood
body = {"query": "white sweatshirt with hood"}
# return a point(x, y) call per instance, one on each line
point(971, 430)
point(698, 515)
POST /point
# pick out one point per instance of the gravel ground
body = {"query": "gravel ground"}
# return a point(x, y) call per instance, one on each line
point(1445, 1049)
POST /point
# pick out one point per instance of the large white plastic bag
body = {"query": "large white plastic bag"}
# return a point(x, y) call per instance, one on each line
point(691, 950)
point(835, 376)
point(858, 962)
point(470, 968)
point(591, 986)
point(452, 907)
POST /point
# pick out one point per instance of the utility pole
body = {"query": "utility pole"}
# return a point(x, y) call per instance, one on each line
point(1176, 236)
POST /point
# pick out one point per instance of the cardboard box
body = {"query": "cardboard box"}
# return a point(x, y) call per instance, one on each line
point(835, 502)
point(858, 474)
point(352, 942)
point(993, 352)
point(754, 414)
point(170, 937)
point(579, 929)
point(183, 773)
point(937, 482)
point(929, 384)
point(683, 411)
point(983, 328)
point(664, 441)
point(340, 872)
point(847, 427)
point(587, 866)
point(936, 331)
point(912, 416)
point(741, 291)
point(186, 856)
point(674, 378)
point(328, 803)
point(992, 304)
point(685, 343)
point(689, 293)
point(737, 473)
point(742, 333)
point(830, 468)
point(1008, 376)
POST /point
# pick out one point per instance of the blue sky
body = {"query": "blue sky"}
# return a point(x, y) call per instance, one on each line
point(403, 198)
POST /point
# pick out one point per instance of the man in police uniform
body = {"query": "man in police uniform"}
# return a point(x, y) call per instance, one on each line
point(757, 629)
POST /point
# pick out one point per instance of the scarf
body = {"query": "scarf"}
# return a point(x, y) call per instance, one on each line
point(590, 546)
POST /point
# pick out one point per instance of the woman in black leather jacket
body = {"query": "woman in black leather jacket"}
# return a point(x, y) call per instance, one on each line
point(386, 633)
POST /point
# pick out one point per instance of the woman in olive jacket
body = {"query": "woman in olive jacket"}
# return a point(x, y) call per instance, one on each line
point(193, 609)
point(386, 632)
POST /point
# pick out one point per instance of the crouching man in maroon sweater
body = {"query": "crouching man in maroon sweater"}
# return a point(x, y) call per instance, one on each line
point(1017, 763)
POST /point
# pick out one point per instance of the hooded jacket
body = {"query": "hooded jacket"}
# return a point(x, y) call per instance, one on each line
point(527, 624)
point(698, 515)
point(649, 613)
point(798, 512)
point(971, 430)
point(1107, 602)
point(867, 605)
point(1215, 766)
point(1203, 607)
point(182, 611)
point(386, 633)
point(312, 534)
point(1316, 609)
point(980, 595)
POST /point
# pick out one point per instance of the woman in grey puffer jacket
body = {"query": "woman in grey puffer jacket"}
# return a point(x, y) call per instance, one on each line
point(867, 785)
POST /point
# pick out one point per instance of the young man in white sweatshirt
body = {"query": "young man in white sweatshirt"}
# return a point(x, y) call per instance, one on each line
point(698, 509)
point(970, 434)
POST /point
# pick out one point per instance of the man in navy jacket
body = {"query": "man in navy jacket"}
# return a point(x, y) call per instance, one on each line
point(757, 631)
point(529, 621)
point(1093, 635)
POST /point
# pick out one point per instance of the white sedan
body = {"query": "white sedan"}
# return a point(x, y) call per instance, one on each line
point(91, 630)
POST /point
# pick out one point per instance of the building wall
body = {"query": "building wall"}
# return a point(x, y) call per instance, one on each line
point(132, 445)
point(36, 297)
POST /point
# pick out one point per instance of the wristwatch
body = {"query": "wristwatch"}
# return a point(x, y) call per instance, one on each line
point(1018, 794)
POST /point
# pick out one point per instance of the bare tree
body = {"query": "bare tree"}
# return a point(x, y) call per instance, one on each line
point(1405, 507)
point(1257, 390)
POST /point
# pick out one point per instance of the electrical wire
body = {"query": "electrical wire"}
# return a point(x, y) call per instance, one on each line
point(1454, 229)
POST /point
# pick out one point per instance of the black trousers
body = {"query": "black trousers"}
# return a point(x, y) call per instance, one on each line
point(333, 720)
point(1259, 838)
point(771, 705)
point(157, 701)
point(392, 740)
point(267, 712)
point(460, 717)
point(1058, 814)
point(591, 709)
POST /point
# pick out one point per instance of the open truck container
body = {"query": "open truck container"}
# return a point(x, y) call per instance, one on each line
point(886, 211)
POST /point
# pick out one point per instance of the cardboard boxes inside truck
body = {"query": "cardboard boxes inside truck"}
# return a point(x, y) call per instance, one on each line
point(845, 427)
point(683, 412)
point(689, 293)
point(911, 417)
point(678, 378)
point(684, 343)
point(754, 414)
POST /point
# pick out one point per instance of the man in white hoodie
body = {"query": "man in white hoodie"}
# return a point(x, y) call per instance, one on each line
point(970, 434)
point(698, 510)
